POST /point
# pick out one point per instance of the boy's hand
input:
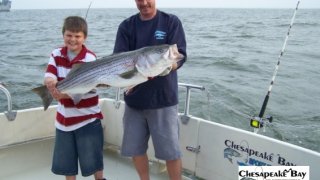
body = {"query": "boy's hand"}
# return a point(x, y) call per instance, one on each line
point(50, 83)
point(55, 93)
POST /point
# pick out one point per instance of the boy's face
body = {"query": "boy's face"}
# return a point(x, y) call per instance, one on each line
point(74, 40)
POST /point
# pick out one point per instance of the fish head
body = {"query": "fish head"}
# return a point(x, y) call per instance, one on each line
point(156, 59)
point(173, 54)
point(230, 153)
point(165, 52)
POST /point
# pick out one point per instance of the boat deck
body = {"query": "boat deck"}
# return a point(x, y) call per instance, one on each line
point(210, 150)
point(33, 161)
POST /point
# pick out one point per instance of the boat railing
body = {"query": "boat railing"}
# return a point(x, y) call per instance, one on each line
point(117, 101)
point(186, 116)
point(10, 114)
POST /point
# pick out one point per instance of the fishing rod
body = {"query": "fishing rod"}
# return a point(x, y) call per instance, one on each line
point(88, 10)
point(257, 122)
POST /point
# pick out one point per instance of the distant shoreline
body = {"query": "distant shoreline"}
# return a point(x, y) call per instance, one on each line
point(164, 8)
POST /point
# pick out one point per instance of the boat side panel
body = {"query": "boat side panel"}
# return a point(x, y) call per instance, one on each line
point(188, 142)
point(224, 148)
point(113, 125)
point(112, 121)
point(29, 125)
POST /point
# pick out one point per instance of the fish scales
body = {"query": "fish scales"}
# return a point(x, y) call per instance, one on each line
point(125, 69)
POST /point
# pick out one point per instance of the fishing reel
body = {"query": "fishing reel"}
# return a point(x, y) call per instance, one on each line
point(257, 122)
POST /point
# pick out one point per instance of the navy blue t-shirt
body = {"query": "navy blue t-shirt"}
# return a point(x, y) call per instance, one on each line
point(133, 33)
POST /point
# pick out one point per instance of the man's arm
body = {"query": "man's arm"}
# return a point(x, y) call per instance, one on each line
point(122, 39)
point(177, 36)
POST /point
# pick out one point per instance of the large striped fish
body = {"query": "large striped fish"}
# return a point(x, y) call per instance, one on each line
point(125, 69)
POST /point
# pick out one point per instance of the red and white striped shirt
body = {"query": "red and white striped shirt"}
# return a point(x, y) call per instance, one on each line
point(70, 116)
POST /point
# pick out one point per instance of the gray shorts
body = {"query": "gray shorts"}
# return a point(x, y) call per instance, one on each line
point(163, 126)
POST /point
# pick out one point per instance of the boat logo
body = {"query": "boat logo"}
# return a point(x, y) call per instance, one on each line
point(230, 153)
point(160, 35)
point(273, 172)
point(243, 155)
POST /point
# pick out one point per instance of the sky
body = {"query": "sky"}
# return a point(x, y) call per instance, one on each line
point(70, 4)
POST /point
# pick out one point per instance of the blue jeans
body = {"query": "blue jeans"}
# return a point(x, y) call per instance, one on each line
point(84, 144)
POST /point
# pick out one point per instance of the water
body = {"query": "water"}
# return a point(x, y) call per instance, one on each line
point(232, 52)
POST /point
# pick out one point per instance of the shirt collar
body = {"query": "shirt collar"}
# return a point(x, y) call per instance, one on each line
point(80, 56)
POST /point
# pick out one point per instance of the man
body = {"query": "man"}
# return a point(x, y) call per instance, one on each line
point(151, 107)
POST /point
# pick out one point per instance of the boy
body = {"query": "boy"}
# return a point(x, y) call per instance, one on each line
point(79, 133)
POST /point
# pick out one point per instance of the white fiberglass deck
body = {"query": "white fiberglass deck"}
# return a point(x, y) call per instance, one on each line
point(32, 161)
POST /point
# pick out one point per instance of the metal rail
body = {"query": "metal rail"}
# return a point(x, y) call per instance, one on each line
point(11, 115)
point(188, 87)
point(185, 117)
point(118, 98)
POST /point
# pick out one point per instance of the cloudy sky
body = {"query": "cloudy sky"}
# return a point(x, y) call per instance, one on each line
point(66, 4)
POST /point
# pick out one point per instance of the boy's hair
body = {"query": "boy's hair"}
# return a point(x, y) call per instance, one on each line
point(75, 24)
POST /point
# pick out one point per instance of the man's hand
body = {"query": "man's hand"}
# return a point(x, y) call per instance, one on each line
point(174, 66)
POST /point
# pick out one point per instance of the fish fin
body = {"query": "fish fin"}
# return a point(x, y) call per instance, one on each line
point(74, 68)
point(45, 95)
point(103, 86)
point(128, 74)
point(166, 71)
point(139, 68)
point(76, 98)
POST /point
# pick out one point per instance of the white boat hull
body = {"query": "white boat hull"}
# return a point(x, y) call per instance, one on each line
point(210, 150)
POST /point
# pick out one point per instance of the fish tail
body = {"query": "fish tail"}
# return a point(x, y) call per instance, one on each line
point(45, 95)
